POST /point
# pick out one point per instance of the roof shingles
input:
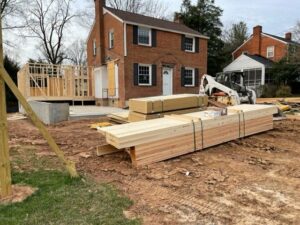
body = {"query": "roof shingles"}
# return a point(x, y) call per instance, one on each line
point(153, 22)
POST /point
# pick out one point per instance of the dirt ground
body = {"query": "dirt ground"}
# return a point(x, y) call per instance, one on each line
point(255, 180)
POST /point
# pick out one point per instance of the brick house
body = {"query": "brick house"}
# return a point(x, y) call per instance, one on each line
point(257, 54)
point(139, 56)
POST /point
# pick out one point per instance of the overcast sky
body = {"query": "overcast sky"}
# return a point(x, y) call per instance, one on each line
point(276, 17)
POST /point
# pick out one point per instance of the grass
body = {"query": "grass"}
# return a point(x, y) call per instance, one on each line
point(62, 200)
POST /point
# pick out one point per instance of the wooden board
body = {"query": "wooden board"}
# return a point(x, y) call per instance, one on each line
point(135, 116)
point(120, 117)
point(160, 139)
point(167, 103)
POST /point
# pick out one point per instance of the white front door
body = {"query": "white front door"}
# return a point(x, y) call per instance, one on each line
point(167, 81)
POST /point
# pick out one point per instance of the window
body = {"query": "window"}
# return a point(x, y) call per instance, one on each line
point(94, 48)
point(144, 36)
point(111, 39)
point(189, 44)
point(270, 52)
point(144, 74)
point(189, 77)
point(252, 77)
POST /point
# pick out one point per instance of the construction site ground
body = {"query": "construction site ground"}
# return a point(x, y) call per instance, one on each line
point(255, 180)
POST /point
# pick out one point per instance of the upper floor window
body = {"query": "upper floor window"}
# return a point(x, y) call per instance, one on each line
point(144, 36)
point(189, 44)
point(189, 77)
point(94, 48)
point(145, 75)
point(270, 52)
point(111, 39)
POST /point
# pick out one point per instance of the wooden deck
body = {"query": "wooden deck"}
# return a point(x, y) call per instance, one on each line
point(46, 82)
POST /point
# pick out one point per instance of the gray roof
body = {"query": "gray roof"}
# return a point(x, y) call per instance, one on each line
point(262, 60)
point(153, 22)
point(283, 39)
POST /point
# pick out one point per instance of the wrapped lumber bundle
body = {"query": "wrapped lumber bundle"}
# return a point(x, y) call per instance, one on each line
point(167, 103)
point(156, 107)
point(174, 135)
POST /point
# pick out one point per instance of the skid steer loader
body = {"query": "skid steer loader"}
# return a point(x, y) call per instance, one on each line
point(227, 88)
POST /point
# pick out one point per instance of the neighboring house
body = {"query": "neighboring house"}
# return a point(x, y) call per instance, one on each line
point(139, 56)
point(256, 56)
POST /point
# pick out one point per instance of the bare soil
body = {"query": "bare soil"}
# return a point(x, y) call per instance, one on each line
point(255, 180)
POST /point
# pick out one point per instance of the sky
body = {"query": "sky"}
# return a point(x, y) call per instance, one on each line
point(276, 16)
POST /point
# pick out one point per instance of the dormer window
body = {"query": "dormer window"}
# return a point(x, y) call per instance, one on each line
point(189, 44)
point(270, 52)
point(144, 36)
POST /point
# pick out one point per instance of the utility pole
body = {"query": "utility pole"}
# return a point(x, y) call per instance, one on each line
point(5, 169)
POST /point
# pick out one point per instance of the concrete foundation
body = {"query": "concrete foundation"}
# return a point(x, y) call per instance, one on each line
point(49, 113)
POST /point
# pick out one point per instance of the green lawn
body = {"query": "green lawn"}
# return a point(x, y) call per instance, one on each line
point(65, 201)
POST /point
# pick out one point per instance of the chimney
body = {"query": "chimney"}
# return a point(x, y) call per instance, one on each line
point(257, 31)
point(99, 23)
point(178, 18)
point(288, 36)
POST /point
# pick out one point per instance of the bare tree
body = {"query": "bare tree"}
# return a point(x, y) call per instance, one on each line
point(11, 11)
point(76, 53)
point(47, 21)
point(154, 8)
point(296, 32)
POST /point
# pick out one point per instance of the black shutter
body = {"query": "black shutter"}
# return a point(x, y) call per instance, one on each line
point(153, 31)
point(196, 77)
point(154, 75)
point(197, 44)
point(136, 74)
point(183, 42)
point(182, 76)
point(135, 34)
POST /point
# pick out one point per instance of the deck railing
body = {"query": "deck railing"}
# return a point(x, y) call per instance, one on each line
point(56, 82)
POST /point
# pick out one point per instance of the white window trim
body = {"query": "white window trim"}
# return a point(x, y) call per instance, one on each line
point(150, 36)
point(110, 39)
point(193, 77)
point(194, 44)
point(94, 48)
point(270, 49)
point(150, 74)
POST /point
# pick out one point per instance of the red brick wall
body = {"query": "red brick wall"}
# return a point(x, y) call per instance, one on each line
point(251, 48)
point(168, 51)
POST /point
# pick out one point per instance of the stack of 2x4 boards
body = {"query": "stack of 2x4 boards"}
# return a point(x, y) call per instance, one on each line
point(157, 107)
point(174, 135)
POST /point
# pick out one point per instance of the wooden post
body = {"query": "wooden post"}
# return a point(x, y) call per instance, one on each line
point(36, 121)
point(5, 170)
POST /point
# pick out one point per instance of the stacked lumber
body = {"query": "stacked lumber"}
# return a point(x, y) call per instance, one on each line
point(120, 117)
point(156, 107)
point(174, 135)
point(135, 116)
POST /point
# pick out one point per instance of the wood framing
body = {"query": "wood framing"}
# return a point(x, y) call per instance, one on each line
point(46, 82)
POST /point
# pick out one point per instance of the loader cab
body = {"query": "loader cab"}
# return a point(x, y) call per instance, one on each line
point(232, 80)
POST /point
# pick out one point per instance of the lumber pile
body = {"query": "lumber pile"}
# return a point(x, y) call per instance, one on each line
point(174, 135)
point(119, 118)
point(156, 107)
